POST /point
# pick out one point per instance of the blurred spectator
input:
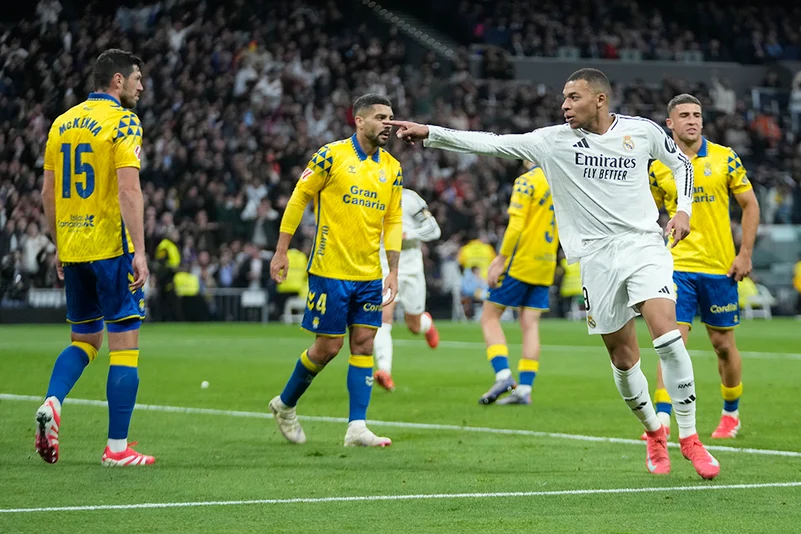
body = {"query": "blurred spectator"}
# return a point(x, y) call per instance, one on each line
point(797, 285)
point(795, 103)
point(477, 253)
point(33, 244)
point(723, 96)
point(574, 28)
point(296, 283)
point(474, 288)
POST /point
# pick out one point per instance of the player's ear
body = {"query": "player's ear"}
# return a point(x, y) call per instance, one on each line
point(600, 98)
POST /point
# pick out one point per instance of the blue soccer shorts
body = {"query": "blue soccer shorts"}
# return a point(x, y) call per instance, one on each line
point(332, 306)
point(513, 293)
point(100, 291)
point(715, 294)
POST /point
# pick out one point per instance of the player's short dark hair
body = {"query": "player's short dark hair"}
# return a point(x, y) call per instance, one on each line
point(369, 100)
point(110, 63)
point(596, 79)
point(683, 98)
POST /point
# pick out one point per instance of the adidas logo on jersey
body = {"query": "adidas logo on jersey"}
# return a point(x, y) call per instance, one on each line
point(582, 144)
point(664, 291)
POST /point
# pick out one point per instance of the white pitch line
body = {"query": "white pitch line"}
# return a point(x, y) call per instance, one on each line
point(575, 348)
point(403, 424)
point(414, 497)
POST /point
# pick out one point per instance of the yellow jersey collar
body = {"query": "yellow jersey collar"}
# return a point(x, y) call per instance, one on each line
point(359, 152)
point(704, 150)
point(103, 96)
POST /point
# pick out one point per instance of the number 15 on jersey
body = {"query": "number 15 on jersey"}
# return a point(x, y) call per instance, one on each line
point(86, 187)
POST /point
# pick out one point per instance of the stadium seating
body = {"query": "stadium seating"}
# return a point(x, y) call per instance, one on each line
point(237, 101)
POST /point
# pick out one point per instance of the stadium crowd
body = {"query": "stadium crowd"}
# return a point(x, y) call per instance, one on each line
point(681, 30)
point(238, 97)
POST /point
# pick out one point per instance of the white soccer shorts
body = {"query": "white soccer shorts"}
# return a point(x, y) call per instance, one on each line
point(412, 293)
point(411, 290)
point(628, 271)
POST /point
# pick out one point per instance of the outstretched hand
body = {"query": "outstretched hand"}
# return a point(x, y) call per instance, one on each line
point(408, 131)
point(679, 226)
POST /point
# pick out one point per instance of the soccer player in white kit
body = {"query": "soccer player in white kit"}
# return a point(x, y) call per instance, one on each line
point(419, 226)
point(597, 167)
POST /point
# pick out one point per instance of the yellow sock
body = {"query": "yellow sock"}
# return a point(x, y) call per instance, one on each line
point(89, 349)
point(308, 364)
point(124, 358)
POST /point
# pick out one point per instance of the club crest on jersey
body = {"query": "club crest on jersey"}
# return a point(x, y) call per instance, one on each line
point(352, 169)
point(382, 177)
point(305, 175)
point(316, 323)
point(707, 169)
point(591, 321)
point(628, 143)
point(138, 152)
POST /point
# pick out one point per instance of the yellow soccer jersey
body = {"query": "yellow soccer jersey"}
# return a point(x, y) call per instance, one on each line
point(709, 248)
point(355, 197)
point(476, 253)
point(530, 241)
point(85, 147)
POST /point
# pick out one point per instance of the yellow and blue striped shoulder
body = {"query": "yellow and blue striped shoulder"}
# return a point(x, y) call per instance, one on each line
point(528, 182)
point(722, 152)
point(323, 159)
point(128, 125)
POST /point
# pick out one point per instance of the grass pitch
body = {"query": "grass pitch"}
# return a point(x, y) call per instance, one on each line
point(454, 466)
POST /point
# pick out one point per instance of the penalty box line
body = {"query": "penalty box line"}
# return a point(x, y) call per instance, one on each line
point(421, 496)
point(402, 424)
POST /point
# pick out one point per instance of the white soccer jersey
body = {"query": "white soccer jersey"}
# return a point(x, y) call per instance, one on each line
point(599, 182)
point(418, 226)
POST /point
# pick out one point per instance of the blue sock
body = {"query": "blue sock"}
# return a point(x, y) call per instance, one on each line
point(498, 356)
point(68, 369)
point(528, 371)
point(300, 380)
point(121, 389)
point(360, 385)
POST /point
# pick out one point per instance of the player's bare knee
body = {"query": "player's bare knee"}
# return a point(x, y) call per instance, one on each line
point(659, 315)
point(490, 315)
point(624, 358)
point(124, 335)
point(622, 348)
point(326, 348)
point(361, 340)
point(722, 343)
point(529, 319)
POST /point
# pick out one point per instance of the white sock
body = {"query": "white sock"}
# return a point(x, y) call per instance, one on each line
point(503, 374)
point(665, 418)
point(677, 370)
point(425, 323)
point(382, 347)
point(117, 445)
point(357, 424)
point(633, 387)
point(522, 390)
point(735, 413)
